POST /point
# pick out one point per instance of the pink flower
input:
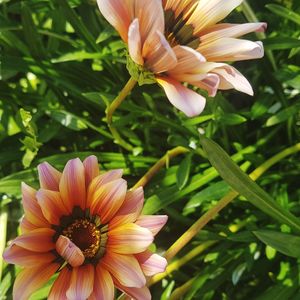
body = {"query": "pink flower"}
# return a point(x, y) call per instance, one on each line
point(87, 227)
point(181, 42)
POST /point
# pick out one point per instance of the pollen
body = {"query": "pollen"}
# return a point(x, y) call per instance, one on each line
point(85, 235)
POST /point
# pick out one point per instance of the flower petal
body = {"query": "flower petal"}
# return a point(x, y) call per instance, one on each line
point(232, 78)
point(31, 279)
point(33, 212)
point(136, 293)
point(186, 100)
point(135, 43)
point(26, 226)
point(52, 205)
point(125, 268)
point(210, 84)
point(91, 168)
point(26, 258)
point(130, 209)
point(151, 263)
point(103, 285)
point(38, 240)
point(230, 49)
point(210, 12)
point(128, 239)
point(231, 30)
point(49, 177)
point(100, 181)
point(61, 285)
point(153, 223)
point(158, 54)
point(188, 61)
point(107, 200)
point(69, 251)
point(72, 184)
point(81, 283)
point(116, 12)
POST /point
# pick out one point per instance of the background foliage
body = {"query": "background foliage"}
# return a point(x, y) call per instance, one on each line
point(61, 63)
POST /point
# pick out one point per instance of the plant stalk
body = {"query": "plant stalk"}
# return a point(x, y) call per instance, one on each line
point(112, 108)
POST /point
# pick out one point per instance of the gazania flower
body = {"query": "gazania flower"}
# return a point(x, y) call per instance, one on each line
point(181, 42)
point(88, 228)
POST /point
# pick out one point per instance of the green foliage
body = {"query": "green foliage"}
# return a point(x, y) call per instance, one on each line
point(62, 64)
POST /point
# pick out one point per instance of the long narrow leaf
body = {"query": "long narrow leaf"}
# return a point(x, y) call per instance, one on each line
point(245, 186)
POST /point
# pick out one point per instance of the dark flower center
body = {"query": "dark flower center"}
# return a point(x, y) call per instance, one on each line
point(85, 235)
point(178, 32)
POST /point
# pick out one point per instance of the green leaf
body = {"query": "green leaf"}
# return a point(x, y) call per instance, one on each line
point(183, 172)
point(245, 186)
point(284, 12)
point(281, 43)
point(214, 192)
point(68, 120)
point(283, 115)
point(287, 244)
point(238, 272)
point(232, 119)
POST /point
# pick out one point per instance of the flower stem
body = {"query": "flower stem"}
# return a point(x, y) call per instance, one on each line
point(3, 227)
point(111, 109)
point(159, 164)
point(209, 215)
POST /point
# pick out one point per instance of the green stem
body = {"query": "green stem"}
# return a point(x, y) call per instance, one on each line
point(111, 109)
point(209, 215)
point(3, 229)
point(159, 164)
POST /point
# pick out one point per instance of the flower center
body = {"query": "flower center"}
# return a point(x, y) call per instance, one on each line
point(178, 32)
point(85, 235)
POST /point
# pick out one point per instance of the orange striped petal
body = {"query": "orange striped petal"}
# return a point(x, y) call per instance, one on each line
point(116, 12)
point(129, 239)
point(107, 200)
point(231, 30)
point(210, 12)
point(49, 177)
point(230, 49)
point(135, 293)
point(26, 258)
point(125, 268)
point(188, 61)
point(151, 263)
point(101, 180)
point(159, 55)
point(130, 209)
point(91, 168)
point(183, 98)
point(232, 78)
point(150, 15)
point(26, 226)
point(38, 240)
point(81, 283)
point(72, 184)
point(152, 223)
point(69, 251)
point(31, 279)
point(61, 285)
point(103, 285)
point(135, 43)
point(33, 212)
point(52, 205)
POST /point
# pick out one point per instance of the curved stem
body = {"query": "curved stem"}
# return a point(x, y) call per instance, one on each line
point(159, 164)
point(209, 215)
point(111, 109)
point(3, 226)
